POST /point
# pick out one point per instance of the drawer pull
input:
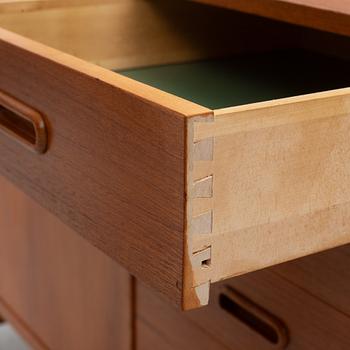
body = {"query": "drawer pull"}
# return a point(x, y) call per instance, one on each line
point(22, 123)
point(255, 317)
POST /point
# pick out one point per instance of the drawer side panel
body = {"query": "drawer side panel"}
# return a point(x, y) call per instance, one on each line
point(280, 182)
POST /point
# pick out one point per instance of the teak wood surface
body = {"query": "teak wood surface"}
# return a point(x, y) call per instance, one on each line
point(328, 15)
point(115, 166)
point(72, 296)
point(309, 295)
point(180, 195)
point(55, 288)
point(98, 121)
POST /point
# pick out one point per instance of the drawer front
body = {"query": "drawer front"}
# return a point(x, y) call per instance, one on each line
point(114, 162)
point(286, 307)
point(58, 290)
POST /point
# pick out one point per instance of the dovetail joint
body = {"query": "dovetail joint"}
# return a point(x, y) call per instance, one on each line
point(202, 221)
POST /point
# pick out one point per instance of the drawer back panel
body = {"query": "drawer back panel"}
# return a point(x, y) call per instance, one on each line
point(134, 33)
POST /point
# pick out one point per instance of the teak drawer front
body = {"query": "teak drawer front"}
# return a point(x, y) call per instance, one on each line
point(179, 194)
point(114, 168)
point(300, 316)
point(58, 290)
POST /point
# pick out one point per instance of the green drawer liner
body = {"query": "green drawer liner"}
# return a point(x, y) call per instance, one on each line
point(247, 78)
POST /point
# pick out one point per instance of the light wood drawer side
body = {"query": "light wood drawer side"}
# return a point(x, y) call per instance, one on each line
point(267, 183)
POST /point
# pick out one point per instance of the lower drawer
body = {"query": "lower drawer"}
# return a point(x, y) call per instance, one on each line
point(58, 290)
point(299, 305)
point(64, 294)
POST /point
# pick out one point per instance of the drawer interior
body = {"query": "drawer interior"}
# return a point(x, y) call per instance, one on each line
point(212, 56)
point(133, 33)
point(248, 78)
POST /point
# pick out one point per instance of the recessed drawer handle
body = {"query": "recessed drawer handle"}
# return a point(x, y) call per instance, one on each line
point(22, 123)
point(255, 317)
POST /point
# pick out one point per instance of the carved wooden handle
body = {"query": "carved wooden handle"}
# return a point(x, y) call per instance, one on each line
point(22, 123)
point(255, 317)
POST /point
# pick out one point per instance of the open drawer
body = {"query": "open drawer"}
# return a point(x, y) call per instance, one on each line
point(182, 193)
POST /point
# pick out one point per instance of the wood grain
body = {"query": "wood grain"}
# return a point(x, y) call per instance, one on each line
point(159, 325)
point(322, 275)
point(58, 290)
point(280, 183)
point(34, 5)
point(332, 16)
point(22, 124)
point(133, 33)
point(126, 165)
point(115, 166)
point(311, 322)
point(124, 34)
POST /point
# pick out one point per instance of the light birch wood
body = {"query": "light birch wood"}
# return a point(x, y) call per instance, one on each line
point(34, 5)
point(125, 34)
point(132, 33)
point(281, 184)
point(197, 260)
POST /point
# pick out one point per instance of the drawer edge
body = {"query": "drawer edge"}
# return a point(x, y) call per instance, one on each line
point(267, 184)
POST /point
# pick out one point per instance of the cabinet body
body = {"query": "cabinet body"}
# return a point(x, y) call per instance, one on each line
point(62, 293)
point(57, 289)
point(126, 194)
